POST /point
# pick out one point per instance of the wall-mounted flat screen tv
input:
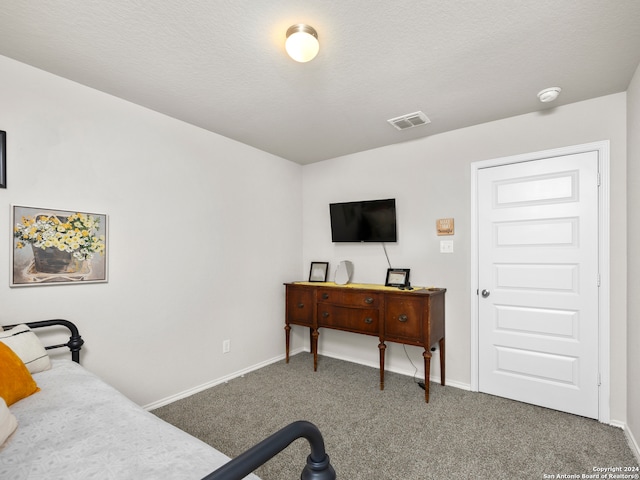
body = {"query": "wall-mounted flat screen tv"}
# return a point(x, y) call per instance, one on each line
point(366, 221)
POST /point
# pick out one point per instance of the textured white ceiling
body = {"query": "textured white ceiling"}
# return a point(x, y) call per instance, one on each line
point(221, 64)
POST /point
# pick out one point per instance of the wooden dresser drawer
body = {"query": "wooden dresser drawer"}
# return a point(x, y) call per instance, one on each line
point(359, 320)
point(403, 319)
point(330, 295)
point(349, 299)
point(300, 305)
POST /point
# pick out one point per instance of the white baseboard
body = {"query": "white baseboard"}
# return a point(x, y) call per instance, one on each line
point(213, 383)
point(633, 443)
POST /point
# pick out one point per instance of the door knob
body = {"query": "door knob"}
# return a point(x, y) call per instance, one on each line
point(485, 293)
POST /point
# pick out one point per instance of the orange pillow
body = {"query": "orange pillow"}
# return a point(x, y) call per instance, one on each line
point(16, 382)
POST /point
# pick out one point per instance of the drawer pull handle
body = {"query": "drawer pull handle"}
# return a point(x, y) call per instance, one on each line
point(368, 320)
point(403, 318)
point(301, 305)
point(368, 300)
point(325, 296)
point(325, 314)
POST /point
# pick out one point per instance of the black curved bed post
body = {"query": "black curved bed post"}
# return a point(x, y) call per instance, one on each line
point(317, 468)
point(75, 340)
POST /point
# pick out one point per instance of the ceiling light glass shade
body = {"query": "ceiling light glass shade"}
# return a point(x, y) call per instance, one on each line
point(302, 42)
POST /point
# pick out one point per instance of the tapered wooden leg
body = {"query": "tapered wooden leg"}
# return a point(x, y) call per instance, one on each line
point(287, 336)
point(427, 373)
point(382, 347)
point(442, 361)
point(314, 347)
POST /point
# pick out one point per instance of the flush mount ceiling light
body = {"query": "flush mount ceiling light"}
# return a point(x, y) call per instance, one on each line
point(549, 94)
point(302, 42)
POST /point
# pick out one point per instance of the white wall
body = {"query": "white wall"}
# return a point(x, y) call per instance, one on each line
point(430, 178)
point(633, 320)
point(203, 232)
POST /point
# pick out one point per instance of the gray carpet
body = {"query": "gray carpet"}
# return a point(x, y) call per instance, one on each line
point(393, 434)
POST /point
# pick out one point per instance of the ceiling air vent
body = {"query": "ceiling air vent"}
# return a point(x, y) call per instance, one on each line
point(409, 120)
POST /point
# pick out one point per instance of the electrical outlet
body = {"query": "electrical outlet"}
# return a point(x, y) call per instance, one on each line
point(226, 346)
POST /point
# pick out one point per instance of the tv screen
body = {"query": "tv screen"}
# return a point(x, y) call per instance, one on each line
point(366, 221)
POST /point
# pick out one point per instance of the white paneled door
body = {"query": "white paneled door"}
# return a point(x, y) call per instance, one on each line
point(538, 282)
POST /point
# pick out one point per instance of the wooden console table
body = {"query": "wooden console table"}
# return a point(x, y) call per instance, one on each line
point(411, 317)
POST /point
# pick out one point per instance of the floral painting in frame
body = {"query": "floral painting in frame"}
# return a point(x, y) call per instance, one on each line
point(3, 159)
point(53, 247)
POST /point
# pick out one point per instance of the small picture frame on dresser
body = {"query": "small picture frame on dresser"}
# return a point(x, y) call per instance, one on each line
point(397, 277)
point(318, 271)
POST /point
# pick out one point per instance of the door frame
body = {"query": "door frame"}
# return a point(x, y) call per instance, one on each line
point(604, 349)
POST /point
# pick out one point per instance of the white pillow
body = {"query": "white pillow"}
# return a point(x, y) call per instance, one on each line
point(28, 347)
point(8, 422)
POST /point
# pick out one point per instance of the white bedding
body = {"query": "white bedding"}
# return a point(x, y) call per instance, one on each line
point(78, 427)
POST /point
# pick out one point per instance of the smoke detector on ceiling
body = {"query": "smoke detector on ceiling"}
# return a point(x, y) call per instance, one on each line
point(409, 120)
point(549, 94)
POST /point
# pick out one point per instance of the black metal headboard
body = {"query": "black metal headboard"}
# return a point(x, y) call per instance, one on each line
point(75, 340)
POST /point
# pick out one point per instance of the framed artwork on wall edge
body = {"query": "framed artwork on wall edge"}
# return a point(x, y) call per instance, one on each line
point(3, 159)
point(57, 247)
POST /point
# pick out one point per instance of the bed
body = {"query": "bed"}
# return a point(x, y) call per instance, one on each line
point(78, 427)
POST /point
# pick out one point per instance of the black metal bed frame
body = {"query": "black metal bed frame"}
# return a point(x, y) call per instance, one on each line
point(75, 340)
point(318, 466)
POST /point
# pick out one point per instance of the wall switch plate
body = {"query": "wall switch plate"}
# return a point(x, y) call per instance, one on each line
point(226, 346)
point(446, 246)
